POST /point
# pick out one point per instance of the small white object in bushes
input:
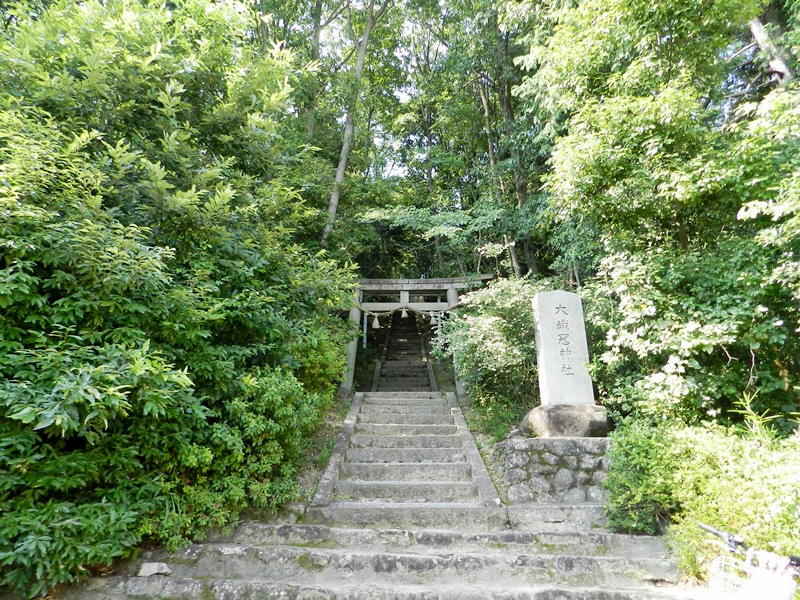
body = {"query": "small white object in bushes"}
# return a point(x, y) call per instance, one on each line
point(154, 568)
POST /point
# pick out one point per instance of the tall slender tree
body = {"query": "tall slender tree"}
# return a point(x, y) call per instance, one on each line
point(371, 14)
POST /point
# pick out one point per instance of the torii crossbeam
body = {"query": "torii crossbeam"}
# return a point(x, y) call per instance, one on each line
point(376, 296)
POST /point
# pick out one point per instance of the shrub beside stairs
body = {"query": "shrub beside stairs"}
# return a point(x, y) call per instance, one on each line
point(406, 511)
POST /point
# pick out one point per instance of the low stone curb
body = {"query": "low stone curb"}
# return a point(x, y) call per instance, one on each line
point(331, 474)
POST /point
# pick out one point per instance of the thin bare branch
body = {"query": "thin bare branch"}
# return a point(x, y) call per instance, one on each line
point(741, 51)
point(338, 10)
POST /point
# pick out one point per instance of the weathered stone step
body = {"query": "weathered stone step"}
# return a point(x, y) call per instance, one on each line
point(404, 377)
point(417, 471)
point(404, 373)
point(407, 491)
point(405, 455)
point(405, 380)
point(412, 515)
point(556, 517)
point(534, 518)
point(408, 409)
point(404, 419)
point(410, 441)
point(424, 541)
point(394, 399)
point(401, 430)
point(410, 397)
point(403, 387)
point(177, 588)
point(323, 565)
point(401, 362)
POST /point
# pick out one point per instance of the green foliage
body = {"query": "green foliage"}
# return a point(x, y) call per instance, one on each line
point(166, 344)
point(491, 339)
point(771, 138)
point(639, 477)
point(684, 334)
point(742, 480)
point(602, 48)
point(659, 141)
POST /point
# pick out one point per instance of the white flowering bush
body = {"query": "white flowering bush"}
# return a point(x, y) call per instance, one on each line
point(492, 341)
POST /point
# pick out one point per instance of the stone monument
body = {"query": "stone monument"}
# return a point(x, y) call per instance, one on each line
point(567, 398)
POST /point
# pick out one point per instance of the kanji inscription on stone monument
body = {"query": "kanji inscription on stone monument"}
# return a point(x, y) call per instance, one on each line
point(561, 349)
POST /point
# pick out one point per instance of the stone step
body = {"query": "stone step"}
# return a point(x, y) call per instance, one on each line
point(177, 588)
point(405, 455)
point(410, 397)
point(407, 379)
point(407, 491)
point(411, 441)
point(403, 391)
point(403, 430)
point(413, 515)
point(534, 518)
point(404, 419)
point(424, 541)
point(405, 409)
point(402, 399)
point(401, 363)
point(403, 388)
point(328, 565)
point(392, 385)
point(417, 371)
point(417, 471)
point(557, 517)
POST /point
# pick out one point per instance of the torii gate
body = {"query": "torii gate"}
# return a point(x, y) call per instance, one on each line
point(434, 296)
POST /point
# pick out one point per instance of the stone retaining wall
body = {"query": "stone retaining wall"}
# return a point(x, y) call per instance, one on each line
point(570, 470)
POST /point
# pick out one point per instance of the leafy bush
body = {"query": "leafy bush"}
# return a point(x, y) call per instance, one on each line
point(741, 480)
point(685, 333)
point(491, 339)
point(166, 344)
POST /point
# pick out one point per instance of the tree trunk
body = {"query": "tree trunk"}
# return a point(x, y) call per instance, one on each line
point(317, 25)
point(372, 17)
point(336, 192)
point(437, 240)
point(520, 180)
point(777, 62)
point(487, 120)
point(512, 251)
point(316, 34)
point(530, 255)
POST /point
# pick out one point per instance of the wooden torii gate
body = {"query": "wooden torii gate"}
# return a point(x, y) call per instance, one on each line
point(433, 296)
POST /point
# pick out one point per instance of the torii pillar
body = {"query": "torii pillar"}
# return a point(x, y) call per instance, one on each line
point(352, 346)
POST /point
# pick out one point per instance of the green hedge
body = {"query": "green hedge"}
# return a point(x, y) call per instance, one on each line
point(167, 345)
point(741, 480)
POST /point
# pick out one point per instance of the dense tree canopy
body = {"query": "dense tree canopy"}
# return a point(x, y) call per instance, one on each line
point(188, 189)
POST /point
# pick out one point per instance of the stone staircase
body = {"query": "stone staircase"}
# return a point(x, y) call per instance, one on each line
point(406, 511)
point(404, 365)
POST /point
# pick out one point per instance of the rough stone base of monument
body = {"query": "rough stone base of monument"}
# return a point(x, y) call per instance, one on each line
point(567, 420)
point(567, 470)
